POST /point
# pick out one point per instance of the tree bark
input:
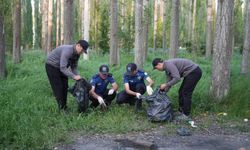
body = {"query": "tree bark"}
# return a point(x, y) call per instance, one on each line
point(189, 21)
point(194, 44)
point(222, 49)
point(209, 28)
point(50, 25)
point(138, 33)
point(44, 25)
point(2, 49)
point(246, 47)
point(58, 19)
point(164, 22)
point(16, 31)
point(155, 22)
point(174, 35)
point(62, 22)
point(86, 25)
point(146, 15)
point(113, 58)
point(68, 21)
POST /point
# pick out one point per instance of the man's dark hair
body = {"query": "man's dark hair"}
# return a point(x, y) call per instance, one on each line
point(156, 61)
point(84, 44)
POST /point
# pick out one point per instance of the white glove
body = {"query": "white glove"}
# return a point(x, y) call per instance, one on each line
point(111, 91)
point(138, 95)
point(149, 90)
point(101, 101)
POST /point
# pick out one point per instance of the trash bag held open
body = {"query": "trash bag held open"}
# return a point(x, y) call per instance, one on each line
point(80, 91)
point(159, 107)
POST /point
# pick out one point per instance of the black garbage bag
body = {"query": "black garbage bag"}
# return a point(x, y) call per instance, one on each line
point(159, 106)
point(80, 91)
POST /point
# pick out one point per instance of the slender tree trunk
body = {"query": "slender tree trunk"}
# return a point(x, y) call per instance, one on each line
point(62, 22)
point(82, 16)
point(50, 23)
point(86, 24)
point(2, 49)
point(123, 14)
point(189, 21)
point(194, 44)
point(246, 48)
point(113, 58)
point(222, 49)
point(155, 22)
point(138, 33)
point(164, 22)
point(44, 25)
point(174, 35)
point(209, 28)
point(68, 21)
point(146, 13)
point(58, 19)
point(16, 31)
point(34, 24)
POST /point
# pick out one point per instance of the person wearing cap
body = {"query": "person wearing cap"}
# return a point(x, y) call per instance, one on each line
point(100, 94)
point(175, 69)
point(134, 86)
point(60, 65)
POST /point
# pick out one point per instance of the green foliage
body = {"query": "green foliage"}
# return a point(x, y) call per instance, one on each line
point(104, 28)
point(238, 23)
point(26, 24)
point(30, 119)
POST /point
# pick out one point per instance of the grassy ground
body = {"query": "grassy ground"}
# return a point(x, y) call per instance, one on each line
point(30, 119)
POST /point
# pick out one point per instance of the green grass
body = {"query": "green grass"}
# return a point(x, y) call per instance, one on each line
point(30, 119)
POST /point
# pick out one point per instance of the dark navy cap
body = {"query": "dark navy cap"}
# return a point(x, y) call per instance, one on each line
point(104, 69)
point(131, 67)
point(84, 44)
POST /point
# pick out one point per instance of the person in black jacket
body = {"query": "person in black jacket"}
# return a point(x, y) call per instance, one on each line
point(61, 64)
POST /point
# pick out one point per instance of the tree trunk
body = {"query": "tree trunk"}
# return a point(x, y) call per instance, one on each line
point(113, 58)
point(34, 24)
point(222, 49)
point(68, 22)
point(138, 33)
point(246, 48)
point(16, 31)
point(164, 22)
point(155, 22)
point(58, 22)
point(189, 20)
point(44, 25)
point(2, 49)
point(86, 25)
point(146, 15)
point(62, 22)
point(194, 44)
point(50, 23)
point(209, 28)
point(174, 35)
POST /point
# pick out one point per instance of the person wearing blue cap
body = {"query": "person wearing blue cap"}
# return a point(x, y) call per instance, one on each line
point(134, 86)
point(100, 94)
point(60, 65)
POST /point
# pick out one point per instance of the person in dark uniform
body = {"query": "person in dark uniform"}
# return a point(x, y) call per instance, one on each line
point(175, 69)
point(60, 65)
point(134, 86)
point(100, 94)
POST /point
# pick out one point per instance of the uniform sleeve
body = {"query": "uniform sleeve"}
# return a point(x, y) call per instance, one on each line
point(174, 75)
point(93, 81)
point(111, 80)
point(125, 79)
point(63, 64)
point(145, 75)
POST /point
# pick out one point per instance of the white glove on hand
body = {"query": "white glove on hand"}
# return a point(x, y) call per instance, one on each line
point(111, 91)
point(149, 90)
point(101, 101)
point(138, 95)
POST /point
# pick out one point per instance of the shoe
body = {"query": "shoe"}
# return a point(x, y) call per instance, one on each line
point(182, 117)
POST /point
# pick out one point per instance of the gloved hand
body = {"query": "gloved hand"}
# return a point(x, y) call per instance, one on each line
point(111, 91)
point(101, 101)
point(149, 90)
point(138, 95)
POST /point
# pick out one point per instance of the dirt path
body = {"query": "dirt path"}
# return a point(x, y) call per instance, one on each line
point(214, 137)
